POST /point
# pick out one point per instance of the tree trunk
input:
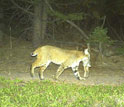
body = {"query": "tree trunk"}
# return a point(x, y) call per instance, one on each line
point(40, 17)
point(44, 20)
point(37, 24)
point(2, 26)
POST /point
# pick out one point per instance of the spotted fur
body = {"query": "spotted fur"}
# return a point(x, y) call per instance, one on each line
point(64, 58)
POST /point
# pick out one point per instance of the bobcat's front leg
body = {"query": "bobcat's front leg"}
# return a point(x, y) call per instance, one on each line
point(76, 73)
point(86, 71)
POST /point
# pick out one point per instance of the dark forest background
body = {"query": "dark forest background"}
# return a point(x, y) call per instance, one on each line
point(92, 22)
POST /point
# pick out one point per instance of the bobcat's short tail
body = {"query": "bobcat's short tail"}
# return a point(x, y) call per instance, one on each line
point(35, 53)
point(32, 54)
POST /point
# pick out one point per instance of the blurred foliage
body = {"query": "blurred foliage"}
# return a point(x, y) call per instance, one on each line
point(120, 50)
point(72, 16)
point(87, 13)
point(99, 39)
point(99, 35)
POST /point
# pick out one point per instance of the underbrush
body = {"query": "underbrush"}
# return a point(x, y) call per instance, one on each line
point(120, 50)
point(17, 93)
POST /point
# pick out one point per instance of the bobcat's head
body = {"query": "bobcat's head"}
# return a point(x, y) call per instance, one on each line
point(86, 59)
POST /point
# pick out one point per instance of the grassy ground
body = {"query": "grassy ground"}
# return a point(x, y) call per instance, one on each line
point(17, 93)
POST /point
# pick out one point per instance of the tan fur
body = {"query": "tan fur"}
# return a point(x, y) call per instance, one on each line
point(64, 58)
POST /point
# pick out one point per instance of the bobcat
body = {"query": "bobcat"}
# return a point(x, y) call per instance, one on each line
point(64, 58)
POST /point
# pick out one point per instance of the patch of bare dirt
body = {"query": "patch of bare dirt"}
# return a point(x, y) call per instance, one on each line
point(15, 63)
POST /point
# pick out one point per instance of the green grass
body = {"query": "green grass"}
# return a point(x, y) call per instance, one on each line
point(16, 93)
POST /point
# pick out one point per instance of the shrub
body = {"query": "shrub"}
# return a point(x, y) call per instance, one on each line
point(99, 38)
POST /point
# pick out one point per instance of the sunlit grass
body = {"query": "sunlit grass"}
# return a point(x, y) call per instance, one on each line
point(16, 93)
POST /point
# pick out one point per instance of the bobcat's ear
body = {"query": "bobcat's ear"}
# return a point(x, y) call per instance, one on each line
point(86, 52)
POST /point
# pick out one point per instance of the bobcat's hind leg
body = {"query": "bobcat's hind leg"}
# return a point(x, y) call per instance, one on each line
point(33, 66)
point(42, 69)
point(45, 64)
point(59, 71)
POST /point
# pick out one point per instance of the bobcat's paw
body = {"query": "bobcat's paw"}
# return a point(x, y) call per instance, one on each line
point(82, 78)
